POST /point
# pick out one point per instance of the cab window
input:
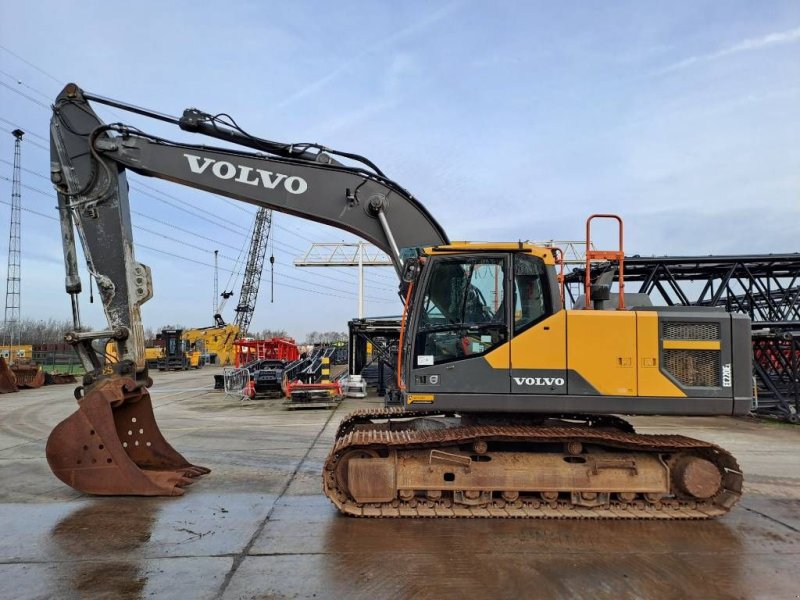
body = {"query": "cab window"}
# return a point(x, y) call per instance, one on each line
point(531, 292)
point(463, 310)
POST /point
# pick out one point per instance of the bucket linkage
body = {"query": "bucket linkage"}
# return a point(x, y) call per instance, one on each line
point(112, 445)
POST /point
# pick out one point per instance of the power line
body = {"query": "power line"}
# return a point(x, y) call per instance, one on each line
point(18, 81)
point(195, 208)
point(24, 95)
point(167, 195)
point(17, 126)
point(235, 273)
point(204, 264)
point(30, 64)
point(182, 242)
point(31, 142)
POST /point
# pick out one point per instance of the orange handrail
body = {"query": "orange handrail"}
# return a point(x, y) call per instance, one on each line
point(613, 255)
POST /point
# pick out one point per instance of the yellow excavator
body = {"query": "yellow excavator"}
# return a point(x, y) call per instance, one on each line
point(505, 402)
point(217, 340)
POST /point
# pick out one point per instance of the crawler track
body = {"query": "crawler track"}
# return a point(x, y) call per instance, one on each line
point(358, 432)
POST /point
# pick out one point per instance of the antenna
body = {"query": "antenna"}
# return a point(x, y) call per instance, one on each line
point(14, 275)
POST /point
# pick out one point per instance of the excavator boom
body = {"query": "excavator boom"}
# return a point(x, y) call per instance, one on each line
point(89, 160)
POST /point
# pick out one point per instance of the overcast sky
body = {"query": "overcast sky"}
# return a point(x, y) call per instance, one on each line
point(508, 120)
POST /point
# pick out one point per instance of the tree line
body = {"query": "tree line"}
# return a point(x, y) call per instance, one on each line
point(51, 331)
point(33, 332)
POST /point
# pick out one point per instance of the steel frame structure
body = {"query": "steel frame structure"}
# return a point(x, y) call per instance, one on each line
point(383, 333)
point(765, 287)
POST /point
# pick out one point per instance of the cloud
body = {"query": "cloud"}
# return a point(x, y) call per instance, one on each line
point(779, 38)
point(377, 47)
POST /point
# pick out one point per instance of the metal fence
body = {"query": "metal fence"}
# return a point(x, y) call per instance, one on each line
point(235, 381)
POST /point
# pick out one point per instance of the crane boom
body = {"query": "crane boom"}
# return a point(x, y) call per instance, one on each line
point(252, 272)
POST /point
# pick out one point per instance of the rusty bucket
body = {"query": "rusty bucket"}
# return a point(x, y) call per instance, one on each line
point(8, 383)
point(112, 446)
point(58, 378)
point(28, 376)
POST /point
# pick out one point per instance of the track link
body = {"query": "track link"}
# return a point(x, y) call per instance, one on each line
point(357, 432)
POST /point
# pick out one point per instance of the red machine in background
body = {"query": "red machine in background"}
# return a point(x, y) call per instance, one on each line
point(247, 351)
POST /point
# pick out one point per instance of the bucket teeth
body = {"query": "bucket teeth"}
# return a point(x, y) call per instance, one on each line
point(28, 376)
point(112, 446)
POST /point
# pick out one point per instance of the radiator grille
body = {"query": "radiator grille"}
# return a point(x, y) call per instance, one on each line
point(677, 330)
point(700, 368)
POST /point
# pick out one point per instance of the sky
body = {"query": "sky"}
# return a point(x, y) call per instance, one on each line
point(507, 120)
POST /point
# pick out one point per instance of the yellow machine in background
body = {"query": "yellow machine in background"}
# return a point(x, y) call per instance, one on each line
point(216, 340)
point(17, 353)
point(152, 354)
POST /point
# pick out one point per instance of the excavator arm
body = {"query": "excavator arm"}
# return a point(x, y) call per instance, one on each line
point(112, 443)
point(89, 160)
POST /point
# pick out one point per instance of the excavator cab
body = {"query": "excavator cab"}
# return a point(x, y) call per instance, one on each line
point(470, 300)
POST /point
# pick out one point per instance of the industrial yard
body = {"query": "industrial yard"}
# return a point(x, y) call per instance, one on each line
point(259, 527)
point(460, 299)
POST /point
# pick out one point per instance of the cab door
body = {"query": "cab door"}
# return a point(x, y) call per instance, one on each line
point(539, 330)
point(461, 324)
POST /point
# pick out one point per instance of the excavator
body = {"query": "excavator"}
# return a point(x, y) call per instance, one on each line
point(506, 403)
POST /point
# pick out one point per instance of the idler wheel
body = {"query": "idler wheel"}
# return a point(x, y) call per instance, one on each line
point(697, 477)
point(340, 472)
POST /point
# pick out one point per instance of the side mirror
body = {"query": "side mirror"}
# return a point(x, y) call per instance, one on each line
point(411, 270)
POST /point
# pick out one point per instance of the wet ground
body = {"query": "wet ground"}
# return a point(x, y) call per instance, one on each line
point(259, 526)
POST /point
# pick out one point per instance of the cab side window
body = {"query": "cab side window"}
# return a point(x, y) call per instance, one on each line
point(531, 292)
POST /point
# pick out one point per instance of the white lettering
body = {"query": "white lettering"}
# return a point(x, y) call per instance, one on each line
point(194, 163)
point(266, 179)
point(229, 172)
point(244, 174)
point(727, 379)
point(225, 170)
point(539, 381)
point(295, 185)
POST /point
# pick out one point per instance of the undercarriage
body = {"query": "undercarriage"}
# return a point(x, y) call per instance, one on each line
point(396, 463)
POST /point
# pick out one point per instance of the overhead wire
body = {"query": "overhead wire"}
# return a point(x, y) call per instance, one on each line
point(349, 296)
point(239, 207)
point(30, 64)
point(238, 262)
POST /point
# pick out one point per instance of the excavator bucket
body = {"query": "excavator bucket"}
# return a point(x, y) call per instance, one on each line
point(58, 378)
point(8, 382)
point(112, 446)
point(28, 376)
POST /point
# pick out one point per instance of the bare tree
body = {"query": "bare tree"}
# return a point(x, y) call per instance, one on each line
point(34, 332)
point(272, 333)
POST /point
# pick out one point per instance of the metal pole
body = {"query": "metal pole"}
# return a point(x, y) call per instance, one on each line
point(11, 320)
point(216, 283)
point(360, 280)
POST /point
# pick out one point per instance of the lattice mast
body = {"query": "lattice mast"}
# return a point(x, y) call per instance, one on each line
point(14, 274)
point(253, 270)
